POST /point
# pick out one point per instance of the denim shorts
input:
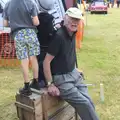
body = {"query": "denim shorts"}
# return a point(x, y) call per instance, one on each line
point(26, 43)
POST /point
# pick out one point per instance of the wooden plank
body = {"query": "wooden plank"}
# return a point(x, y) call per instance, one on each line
point(39, 117)
point(57, 108)
point(29, 107)
point(44, 108)
point(66, 114)
point(41, 106)
point(51, 101)
point(51, 105)
point(38, 106)
point(72, 118)
point(28, 115)
point(24, 100)
point(57, 111)
point(39, 92)
point(19, 112)
point(26, 107)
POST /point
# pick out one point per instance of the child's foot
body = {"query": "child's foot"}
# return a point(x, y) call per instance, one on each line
point(25, 91)
point(35, 84)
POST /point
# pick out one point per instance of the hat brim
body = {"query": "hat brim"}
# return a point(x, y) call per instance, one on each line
point(75, 16)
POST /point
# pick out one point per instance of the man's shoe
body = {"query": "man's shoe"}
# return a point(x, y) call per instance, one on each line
point(25, 91)
point(35, 84)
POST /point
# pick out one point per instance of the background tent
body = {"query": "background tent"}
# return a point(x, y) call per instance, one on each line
point(69, 3)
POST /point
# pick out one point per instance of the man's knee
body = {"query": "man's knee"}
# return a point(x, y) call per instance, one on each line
point(78, 101)
point(81, 103)
point(87, 103)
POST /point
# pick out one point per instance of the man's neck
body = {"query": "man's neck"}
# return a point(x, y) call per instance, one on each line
point(69, 32)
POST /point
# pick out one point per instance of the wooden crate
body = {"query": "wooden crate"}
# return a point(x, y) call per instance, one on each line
point(29, 108)
point(41, 106)
point(67, 113)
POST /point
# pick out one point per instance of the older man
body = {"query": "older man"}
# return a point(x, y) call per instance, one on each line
point(59, 68)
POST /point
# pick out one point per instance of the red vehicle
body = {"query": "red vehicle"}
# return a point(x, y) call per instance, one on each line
point(98, 7)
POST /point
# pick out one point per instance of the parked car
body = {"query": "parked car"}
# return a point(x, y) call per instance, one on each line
point(98, 7)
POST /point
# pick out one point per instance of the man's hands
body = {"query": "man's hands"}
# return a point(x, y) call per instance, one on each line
point(53, 90)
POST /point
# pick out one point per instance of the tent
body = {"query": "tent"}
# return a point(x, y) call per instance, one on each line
point(69, 3)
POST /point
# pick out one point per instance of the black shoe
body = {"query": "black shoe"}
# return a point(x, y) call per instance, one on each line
point(25, 91)
point(35, 84)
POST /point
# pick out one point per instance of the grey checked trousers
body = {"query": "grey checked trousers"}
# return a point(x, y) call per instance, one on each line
point(75, 92)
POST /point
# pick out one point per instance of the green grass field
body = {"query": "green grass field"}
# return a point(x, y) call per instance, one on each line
point(98, 58)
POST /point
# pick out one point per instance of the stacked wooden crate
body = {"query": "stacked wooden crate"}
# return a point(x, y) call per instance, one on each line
point(41, 106)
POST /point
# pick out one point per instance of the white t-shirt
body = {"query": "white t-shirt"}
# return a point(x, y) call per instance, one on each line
point(58, 11)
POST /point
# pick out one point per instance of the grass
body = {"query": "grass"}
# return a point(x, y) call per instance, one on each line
point(98, 58)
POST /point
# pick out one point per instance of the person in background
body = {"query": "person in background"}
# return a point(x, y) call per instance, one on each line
point(118, 3)
point(21, 16)
point(1, 8)
point(62, 78)
point(112, 3)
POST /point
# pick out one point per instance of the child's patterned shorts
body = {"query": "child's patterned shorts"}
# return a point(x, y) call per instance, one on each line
point(26, 43)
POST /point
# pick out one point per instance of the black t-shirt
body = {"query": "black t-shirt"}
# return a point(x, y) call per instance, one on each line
point(63, 48)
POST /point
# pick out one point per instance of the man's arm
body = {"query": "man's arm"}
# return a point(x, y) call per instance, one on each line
point(35, 20)
point(53, 51)
point(46, 67)
point(52, 89)
point(34, 15)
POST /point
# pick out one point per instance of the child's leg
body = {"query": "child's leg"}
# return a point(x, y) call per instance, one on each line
point(25, 69)
point(22, 54)
point(34, 64)
point(33, 51)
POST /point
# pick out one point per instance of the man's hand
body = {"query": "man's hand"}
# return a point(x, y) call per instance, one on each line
point(79, 70)
point(53, 90)
point(5, 23)
point(81, 73)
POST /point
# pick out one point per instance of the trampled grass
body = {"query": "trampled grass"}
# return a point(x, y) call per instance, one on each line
point(98, 58)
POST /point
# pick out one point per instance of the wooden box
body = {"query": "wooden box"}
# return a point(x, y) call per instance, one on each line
point(41, 106)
